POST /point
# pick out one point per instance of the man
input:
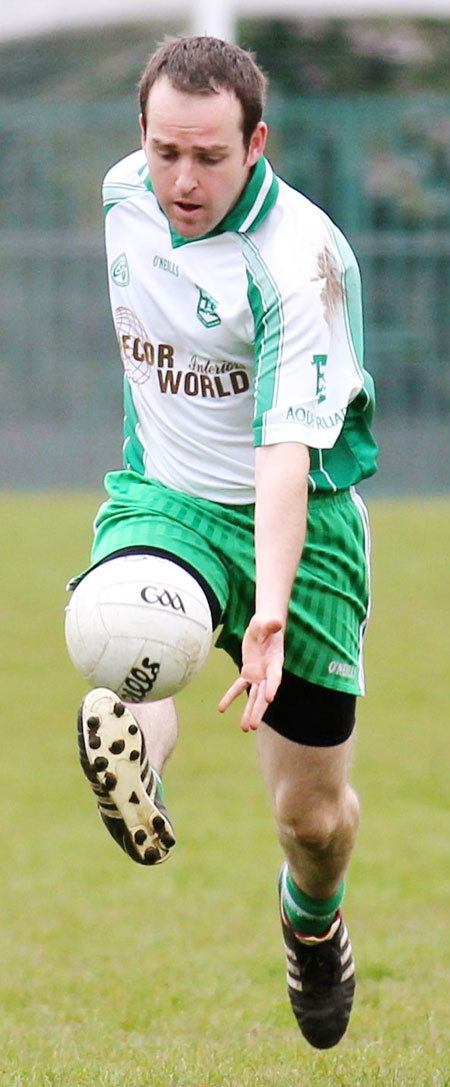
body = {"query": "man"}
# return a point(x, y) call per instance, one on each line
point(237, 308)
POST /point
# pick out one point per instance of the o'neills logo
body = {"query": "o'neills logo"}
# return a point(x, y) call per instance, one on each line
point(341, 668)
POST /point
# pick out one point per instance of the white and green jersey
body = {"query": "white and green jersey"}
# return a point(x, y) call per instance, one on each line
point(251, 335)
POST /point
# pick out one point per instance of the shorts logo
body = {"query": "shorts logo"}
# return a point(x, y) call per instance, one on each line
point(120, 271)
point(206, 310)
point(340, 668)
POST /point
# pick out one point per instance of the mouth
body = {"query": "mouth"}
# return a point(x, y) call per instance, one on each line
point(186, 207)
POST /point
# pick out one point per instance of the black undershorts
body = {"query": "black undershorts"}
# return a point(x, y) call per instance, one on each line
point(310, 714)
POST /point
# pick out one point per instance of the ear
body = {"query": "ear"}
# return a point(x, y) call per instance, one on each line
point(143, 129)
point(258, 140)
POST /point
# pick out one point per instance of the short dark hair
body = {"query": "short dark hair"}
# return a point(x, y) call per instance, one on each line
point(203, 65)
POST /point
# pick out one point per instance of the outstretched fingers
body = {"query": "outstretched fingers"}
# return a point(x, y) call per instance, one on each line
point(262, 663)
point(237, 688)
point(255, 709)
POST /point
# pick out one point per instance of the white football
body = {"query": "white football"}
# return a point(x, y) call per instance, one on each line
point(140, 625)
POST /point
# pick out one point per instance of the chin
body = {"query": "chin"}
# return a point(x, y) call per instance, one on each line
point(191, 233)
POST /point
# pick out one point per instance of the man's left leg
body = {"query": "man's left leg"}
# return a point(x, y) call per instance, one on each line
point(316, 813)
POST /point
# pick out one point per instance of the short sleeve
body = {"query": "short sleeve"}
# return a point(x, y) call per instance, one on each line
point(308, 341)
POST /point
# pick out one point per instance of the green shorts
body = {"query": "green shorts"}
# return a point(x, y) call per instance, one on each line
point(330, 598)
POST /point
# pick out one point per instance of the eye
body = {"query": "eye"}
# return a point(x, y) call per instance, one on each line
point(168, 154)
point(210, 160)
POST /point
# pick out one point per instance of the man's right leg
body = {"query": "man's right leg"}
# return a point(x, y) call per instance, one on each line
point(124, 746)
point(159, 726)
point(123, 749)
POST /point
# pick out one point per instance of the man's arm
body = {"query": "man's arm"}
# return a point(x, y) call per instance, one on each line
point(281, 473)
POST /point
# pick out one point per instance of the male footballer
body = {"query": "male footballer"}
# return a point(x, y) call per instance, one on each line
point(237, 306)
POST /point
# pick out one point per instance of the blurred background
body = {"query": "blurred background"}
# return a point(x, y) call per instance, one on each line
point(359, 113)
point(103, 982)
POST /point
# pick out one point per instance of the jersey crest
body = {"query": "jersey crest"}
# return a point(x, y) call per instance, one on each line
point(207, 310)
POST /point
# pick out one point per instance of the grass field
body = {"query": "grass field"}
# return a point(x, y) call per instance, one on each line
point(117, 976)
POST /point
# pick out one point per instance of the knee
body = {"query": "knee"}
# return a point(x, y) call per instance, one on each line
point(314, 829)
point(316, 821)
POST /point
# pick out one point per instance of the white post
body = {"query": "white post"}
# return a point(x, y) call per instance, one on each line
point(215, 17)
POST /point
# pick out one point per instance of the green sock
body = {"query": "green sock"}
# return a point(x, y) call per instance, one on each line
point(159, 783)
point(310, 916)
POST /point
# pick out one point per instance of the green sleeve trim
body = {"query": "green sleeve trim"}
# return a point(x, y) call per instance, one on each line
point(267, 310)
point(133, 450)
point(115, 193)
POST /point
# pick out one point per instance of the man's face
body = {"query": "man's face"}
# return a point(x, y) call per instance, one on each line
point(196, 155)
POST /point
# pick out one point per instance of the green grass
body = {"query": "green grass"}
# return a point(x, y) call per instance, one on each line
point(117, 976)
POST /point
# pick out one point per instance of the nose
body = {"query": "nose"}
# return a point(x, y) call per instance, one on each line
point(186, 180)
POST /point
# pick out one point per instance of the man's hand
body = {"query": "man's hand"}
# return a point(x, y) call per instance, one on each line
point(262, 663)
point(281, 477)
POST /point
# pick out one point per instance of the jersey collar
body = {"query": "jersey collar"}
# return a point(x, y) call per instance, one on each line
point(254, 204)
